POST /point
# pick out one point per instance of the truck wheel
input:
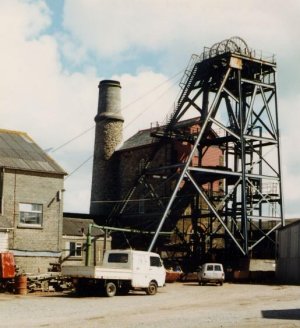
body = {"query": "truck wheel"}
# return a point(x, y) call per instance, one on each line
point(152, 288)
point(110, 289)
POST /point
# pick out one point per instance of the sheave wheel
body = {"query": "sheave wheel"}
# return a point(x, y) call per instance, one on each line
point(152, 288)
point(110, 289)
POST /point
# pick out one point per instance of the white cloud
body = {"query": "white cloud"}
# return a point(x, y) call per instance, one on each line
point(74, 52)
point(146, 99)
point(37, 95)
point(289, 116)
point(111, 27)
point(21, 20)
point(54, 103)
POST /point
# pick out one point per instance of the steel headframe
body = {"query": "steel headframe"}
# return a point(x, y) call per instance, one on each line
point(234, 91)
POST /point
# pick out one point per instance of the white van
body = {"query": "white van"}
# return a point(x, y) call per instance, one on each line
point(211, 272)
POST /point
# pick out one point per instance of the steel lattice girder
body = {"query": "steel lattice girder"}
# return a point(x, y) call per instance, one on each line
point(242, 92)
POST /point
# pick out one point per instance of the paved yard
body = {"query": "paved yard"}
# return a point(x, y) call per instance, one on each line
point(176, 305)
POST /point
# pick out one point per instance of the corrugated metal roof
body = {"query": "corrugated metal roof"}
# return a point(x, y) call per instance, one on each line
point(19, 151)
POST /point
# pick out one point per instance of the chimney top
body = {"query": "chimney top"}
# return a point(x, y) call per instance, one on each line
point(109, 103)
point(110, 83)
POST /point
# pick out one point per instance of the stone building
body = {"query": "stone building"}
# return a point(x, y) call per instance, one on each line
point(31, 191)
point(74, 239)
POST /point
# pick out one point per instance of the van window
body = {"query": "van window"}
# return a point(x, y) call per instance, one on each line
point(210, 268)
point(117, 258)
point(155, 261)
point(218, 268)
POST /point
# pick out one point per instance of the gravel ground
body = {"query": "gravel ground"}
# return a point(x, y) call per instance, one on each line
point(176, 305)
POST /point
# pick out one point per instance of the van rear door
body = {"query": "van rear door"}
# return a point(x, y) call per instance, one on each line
point(218, 270)
point(208, 271)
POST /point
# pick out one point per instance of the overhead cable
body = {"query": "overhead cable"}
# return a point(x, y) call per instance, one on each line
point(122, 109)
point(137, 116)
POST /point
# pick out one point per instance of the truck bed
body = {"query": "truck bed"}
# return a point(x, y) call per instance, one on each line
point(96, 272)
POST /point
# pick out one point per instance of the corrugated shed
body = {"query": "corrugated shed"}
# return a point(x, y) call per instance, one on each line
point(288, 259)
point(19, 151)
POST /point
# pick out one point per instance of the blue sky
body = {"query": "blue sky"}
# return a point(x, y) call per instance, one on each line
point(55, 52)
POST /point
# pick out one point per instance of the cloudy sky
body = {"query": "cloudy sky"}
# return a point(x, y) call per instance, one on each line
point(55, 52)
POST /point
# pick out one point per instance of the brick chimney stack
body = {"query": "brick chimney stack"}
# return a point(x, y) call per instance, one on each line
point(108, 135)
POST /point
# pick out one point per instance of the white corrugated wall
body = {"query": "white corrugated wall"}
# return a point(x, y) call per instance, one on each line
point(288, 262)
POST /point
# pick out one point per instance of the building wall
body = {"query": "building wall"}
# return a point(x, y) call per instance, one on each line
point(288, 260)
point(99, 245)
point(34, 246)
point(132, 163)
point(34, 265)
point(212, 156)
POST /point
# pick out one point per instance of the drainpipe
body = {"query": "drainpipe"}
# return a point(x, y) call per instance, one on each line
point(88, 246)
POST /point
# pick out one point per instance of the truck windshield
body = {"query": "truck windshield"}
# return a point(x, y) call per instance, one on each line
point(155, 261)
point(117, 258)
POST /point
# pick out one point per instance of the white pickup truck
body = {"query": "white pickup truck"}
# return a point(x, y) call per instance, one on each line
point(122, 271)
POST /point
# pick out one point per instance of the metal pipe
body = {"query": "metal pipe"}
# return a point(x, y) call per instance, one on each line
point(242, 109)
point(88, 245)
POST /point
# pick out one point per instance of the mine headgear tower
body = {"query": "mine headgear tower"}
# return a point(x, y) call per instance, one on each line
point(233, 89)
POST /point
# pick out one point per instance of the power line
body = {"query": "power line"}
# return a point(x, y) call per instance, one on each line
point(152, 90)
point(137, 116)
point(74, 138)
point(146, 109)
point(77, 168)
point(122, 109)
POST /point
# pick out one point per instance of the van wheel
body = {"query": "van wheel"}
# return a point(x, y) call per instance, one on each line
point(221, 283)
point(110, 289)
point(152, 288)
point(200, 283)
